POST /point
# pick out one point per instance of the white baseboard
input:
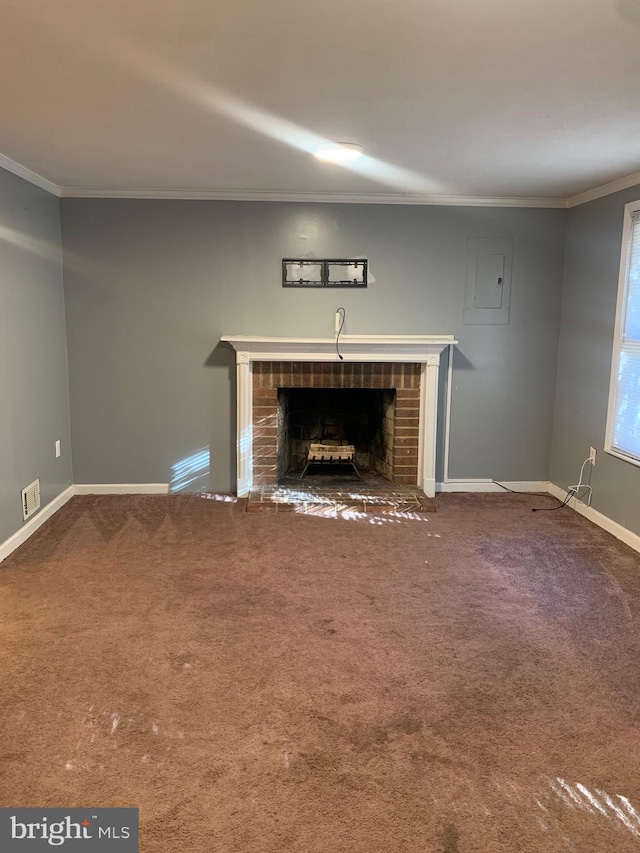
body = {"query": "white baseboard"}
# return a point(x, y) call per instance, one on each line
point(21, 536)
point(623, 533)
point(121, 488)
point(490, 486)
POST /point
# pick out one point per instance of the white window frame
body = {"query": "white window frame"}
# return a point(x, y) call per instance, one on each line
point(629, 211)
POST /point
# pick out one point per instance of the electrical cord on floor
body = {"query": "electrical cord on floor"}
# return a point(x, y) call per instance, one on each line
point(343, 314)
point(514, 491)
point(570, 494)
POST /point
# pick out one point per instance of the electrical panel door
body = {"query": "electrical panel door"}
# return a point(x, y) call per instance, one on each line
point(488, 286)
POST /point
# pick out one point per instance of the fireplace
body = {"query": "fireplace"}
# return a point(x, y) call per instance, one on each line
point(403, 368)
point(360, 417)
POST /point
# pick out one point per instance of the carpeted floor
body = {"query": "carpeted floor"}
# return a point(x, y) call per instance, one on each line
point(461, 682)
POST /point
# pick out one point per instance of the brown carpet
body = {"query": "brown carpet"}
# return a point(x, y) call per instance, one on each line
point(464, 682)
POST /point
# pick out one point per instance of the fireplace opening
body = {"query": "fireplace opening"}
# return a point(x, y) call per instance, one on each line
point(362, 417)
point(274, 430)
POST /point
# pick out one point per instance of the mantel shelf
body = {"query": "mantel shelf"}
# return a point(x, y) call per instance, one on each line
point(418, 348)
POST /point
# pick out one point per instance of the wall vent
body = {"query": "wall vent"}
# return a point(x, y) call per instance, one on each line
point(31, 499)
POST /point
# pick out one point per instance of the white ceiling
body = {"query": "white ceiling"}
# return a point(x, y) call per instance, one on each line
point(532, 99)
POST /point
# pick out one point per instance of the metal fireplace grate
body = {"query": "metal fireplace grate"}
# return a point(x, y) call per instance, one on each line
point(330, 454)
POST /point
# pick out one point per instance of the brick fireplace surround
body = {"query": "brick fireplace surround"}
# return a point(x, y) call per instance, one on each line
point(269, 376)
point(409, 364)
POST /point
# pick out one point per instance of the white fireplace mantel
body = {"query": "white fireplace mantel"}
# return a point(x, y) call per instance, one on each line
point(415, 348)
point(422, 349)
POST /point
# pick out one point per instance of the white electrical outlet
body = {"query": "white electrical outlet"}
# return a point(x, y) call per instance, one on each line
point(58, 451)
point(592, 455)
point(338, 321)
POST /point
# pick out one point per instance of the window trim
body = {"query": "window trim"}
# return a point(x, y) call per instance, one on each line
point(629, 210)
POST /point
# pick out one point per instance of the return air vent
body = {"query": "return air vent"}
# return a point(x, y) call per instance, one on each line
point(31, 499)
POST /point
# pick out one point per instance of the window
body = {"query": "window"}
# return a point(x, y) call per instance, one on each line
point(623, 421)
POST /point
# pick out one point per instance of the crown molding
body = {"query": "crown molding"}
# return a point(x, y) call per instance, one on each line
point(625, 183)
point(327, 198)
point(22, 172)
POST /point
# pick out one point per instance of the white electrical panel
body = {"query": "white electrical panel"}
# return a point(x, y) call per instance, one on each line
point(30, 499)
point(488, 288)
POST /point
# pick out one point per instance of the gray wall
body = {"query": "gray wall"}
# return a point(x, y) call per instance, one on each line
point(34, 394)
point(594, 234)
point(152, 285)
